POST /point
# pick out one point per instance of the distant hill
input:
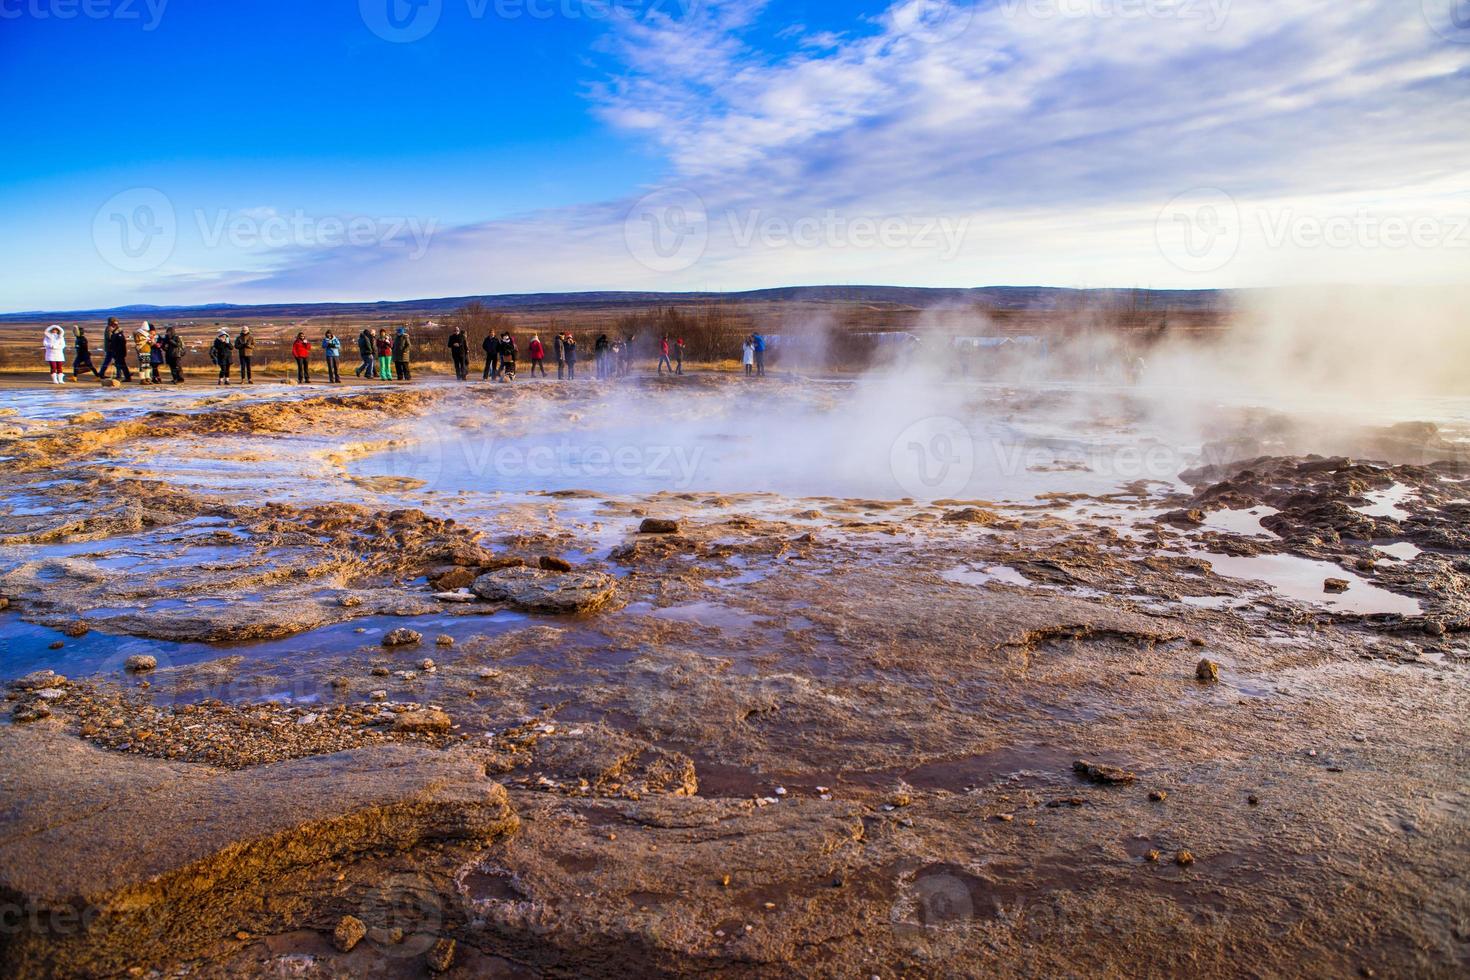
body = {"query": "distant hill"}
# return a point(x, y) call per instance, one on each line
point(994, 297)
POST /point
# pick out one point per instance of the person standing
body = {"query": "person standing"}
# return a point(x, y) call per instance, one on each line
point(569, 345)
point(301, 350)
point(83, 359)
point(508, 355)
point(219, 353)
point(599, 355)
point(758, 343)
point(559, 348)
point(459, 350)
point(367, 349)
point(115, 351)
point(144, 350)
point(537, 353)
point(385, 355)
point(402, 347)
point(332, 350)
point(245, 347)
point(173, 355)
point(663, 355)
point(155, 355)
point(53, 343)
point(491, 346)
point(679, 356)
point(747, 355)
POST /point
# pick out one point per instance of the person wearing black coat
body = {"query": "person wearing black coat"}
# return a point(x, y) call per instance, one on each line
point(173, 355)
point(459, 349)
point(491, 347)
point(220, 352)
point(367, 349)
point(507, 357)
point(83, 360)
point(115, 351)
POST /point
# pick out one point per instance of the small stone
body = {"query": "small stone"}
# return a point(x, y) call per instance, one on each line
point(77, 629)
point(402, 637)
point(554, 564)
point(1207, 671)
point(1184, 859)
point(426, 664)
point(38, 680)
point(57, 644)
point(349, 601)
point(441, 955)
point(242, 935)
point(140, 663)
point(1103, 774)
point(381, 671)
point(23, 713)
point(1152, 857)
point(1004, 817)
point(378, 695)
point(1336, 585)
point(1366, 564)
point(349, 932)
point(1253, 800)
point(1158, 795)
point(1434, 627)
point(658, 525)
point(724, 881)
point(429, 721)
point(444, 640)
point(769, 906)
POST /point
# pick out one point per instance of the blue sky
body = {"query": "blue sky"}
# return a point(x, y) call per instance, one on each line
point(182, 151)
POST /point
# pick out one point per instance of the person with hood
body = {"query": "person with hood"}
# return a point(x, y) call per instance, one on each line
point(219, 353)
point(53, 342)
point(115, 351)
point(385, 355)
point(402, 347)
point(569, 344)
point(663, 355)
point(173, 355)
point(301, 350)
point(155, 355)
point(459, 350)
point(747, 355)
point(491, 347)
point(367, 349)
point(600, 351)
point(507, 357)
point(332, 350)
point(245, 346)
point(143, 347)
point(758, 345)
point(83, 359)
point(537, 353)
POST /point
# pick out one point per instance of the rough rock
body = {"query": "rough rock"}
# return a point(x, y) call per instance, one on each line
point(1105, 775)
point(38, 680)
point(140, 663)
point(429, 720)
point(453, 579)
point(971, 515)
point(1336, 585)
point(537, 590)
point(658, 525)
point(402, 637)
point(23, 713)
point(1207, 671)
point(554, 564)
point(441, 955)
point(167, 857)
point(349, 932)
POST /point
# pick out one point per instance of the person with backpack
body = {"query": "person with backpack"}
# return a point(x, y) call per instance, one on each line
point(332, 350)
point(245, 347)
point(459, 351)
point(538, 355)
point(219, 353)
point(173, 355)
point(367, 349)
point(114, 351)
point(402, 347)
point(83, 359)
point(507, 357)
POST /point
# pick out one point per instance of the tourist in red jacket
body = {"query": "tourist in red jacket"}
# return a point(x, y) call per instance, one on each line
point(538, 356)
point(301, 350)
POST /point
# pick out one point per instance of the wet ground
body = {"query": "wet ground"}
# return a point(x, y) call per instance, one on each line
point(824, 721)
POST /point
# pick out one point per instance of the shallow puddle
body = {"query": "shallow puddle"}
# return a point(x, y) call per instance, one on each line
point(1302, 579)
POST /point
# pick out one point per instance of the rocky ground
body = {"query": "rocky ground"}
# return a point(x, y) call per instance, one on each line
point(351, 725)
